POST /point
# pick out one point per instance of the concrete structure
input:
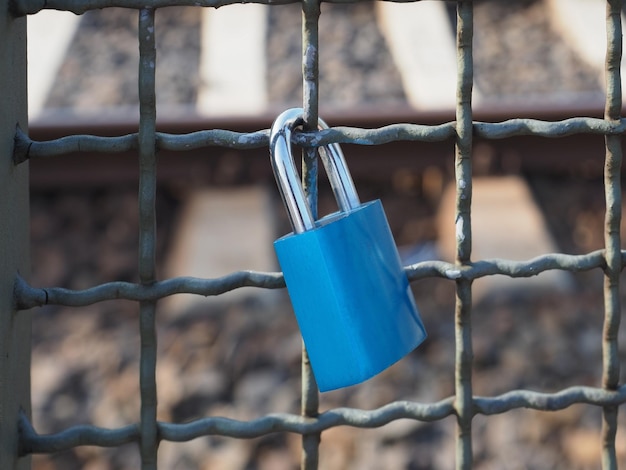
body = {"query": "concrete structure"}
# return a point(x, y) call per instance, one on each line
point(583, 25)
point(506, 224)
point(221, 231)
point(421, 41)
point(232, 60)
point(50, 33)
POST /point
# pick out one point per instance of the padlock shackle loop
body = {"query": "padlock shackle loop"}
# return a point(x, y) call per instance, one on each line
point(338, 174)
point(287, 177)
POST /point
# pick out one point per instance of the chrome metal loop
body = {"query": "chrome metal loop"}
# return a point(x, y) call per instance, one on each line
point(287, 177)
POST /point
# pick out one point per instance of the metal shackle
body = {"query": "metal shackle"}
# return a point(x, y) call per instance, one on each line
point(286, 174)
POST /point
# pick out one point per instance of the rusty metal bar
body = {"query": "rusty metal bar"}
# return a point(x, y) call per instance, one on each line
point(29, 7)
point(147, 237)
point(27, 297)
point(197, 158)
point(612, 238)
point(31, 442)
point(26, 148)
point(463, 222)
point(310, 104)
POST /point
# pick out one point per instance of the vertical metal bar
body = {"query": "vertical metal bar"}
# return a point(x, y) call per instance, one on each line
point(463, 170)
point(310, 92)
point(310, 99)
point(612, 241)
point(15, 336)
point(147, 236)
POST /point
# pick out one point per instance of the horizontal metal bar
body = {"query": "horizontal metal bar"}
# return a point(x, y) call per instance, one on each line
point(27, 296)
point(31, 442)
point(29, 7)
point(26, 148)
point(535, 266)
point(308, 425)
point(514, 269)
point(549, 401)
point(566, 127)
point(379, 136)
point(437, 133)
point(212, 138)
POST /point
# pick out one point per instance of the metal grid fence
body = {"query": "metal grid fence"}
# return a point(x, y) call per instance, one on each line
point(311, 424)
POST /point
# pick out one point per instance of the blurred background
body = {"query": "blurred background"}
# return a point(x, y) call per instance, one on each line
point(218, 211)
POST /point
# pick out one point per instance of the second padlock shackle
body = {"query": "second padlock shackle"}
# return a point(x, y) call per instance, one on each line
point(287, 177)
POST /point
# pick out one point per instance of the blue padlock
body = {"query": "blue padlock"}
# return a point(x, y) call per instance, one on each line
point(350, 294)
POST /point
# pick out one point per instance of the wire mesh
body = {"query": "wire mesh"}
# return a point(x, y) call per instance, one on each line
point(311, 423)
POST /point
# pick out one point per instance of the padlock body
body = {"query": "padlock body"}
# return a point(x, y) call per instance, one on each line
point(351, 296)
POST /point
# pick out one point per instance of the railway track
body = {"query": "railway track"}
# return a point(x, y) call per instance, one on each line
point(377, 68)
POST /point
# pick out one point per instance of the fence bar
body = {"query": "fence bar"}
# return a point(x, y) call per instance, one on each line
point(147, 236)
point(612, 239)
point(463, 172)
point(31, 442)
point(27, 296)
point(29, 7)
point(14, 242)
point(310, 103)
point(17, 148)
point(26, 148)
